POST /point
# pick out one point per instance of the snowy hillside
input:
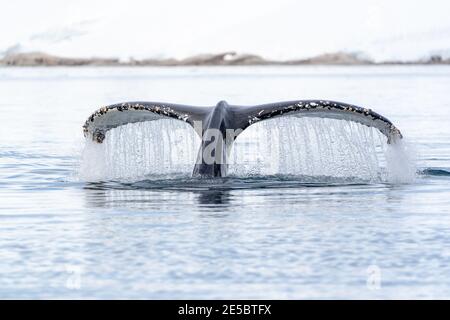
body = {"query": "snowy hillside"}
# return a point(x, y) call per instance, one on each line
point(283, 29)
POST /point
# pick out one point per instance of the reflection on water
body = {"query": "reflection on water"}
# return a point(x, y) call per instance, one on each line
point(216, 193)
point(216, 198)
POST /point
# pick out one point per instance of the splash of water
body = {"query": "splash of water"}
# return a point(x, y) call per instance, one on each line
point(401, 162)
point(321, 148)
point(315, 150)
point(157, 149)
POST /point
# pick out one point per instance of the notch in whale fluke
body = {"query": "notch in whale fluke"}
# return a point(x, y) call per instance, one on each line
point(224, 117)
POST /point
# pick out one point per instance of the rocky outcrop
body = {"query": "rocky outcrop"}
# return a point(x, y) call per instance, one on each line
point(437, 59)
point(43, 59)
point(338, 58)
point(220, 59)
point(227, 58)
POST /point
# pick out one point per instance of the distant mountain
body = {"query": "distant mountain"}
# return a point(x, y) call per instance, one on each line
point(220, 59)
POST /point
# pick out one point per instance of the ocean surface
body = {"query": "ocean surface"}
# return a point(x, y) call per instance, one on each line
point(67, 232)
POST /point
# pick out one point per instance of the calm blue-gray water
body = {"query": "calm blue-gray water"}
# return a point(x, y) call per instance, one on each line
point(63, 236)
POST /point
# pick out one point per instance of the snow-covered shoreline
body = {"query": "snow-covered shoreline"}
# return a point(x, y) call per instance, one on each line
point(219, 59)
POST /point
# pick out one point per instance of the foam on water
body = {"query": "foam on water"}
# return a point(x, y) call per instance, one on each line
point(312, 149)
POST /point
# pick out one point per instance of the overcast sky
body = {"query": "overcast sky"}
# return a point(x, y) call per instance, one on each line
point(275, 29)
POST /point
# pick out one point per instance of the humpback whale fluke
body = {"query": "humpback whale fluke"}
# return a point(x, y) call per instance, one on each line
point(218, 126)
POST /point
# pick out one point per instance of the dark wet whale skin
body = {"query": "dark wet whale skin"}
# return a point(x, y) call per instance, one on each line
point(220, 118)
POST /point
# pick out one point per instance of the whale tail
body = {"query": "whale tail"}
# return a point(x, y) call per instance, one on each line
point(218, 126)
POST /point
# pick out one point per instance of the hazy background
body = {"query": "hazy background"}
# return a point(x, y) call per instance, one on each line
point(279, 29)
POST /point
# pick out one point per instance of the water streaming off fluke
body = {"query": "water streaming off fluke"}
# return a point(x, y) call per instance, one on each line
point(320, 149)
point(164, 148)
point(310, 149)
